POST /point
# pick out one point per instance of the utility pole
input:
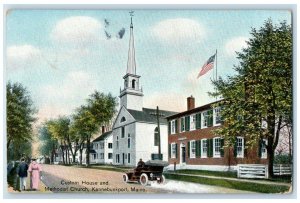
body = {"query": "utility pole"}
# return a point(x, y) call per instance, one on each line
point(158, 131)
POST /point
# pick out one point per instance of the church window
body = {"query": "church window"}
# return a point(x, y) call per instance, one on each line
point(123, 132)
point(123, 119)
point(133, 84)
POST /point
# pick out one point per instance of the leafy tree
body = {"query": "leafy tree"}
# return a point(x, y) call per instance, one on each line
point(89, 118)
point(20, 116)
point(261, 92)
point(48, 142)
point(59, 128)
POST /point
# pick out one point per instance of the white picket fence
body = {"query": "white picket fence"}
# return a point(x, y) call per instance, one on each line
point(282, 169)
point(252, 171)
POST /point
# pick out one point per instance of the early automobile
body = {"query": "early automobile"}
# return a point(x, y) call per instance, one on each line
point(150, 171)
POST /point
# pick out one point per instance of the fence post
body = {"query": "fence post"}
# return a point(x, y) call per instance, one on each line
point(280, 169)
point(238, 170)
point(267, 171)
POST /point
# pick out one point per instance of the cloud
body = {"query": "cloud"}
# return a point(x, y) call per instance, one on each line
point(22, 56)
point(170, 101)
point(178, 30)
point(77, 31)
point(235, 44)
point(62, 98)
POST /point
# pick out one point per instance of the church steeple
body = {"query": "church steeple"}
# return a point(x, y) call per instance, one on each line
point(131, 66)
point(132, 95)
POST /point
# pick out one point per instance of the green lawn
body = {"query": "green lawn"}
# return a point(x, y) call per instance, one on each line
point(228, 174)
point(247, 186)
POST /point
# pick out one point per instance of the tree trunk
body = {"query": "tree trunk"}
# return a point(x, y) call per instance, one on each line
point(88, 143)
point(270, 152)
point(80, 158)
point(290, 144)
point(63, 154)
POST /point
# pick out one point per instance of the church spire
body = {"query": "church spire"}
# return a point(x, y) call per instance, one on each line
point(131, 66)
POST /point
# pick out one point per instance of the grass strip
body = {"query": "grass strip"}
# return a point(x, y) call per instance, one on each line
point(247, 186)
point(228, 174)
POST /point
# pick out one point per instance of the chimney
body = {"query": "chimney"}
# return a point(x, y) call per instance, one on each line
point(103, 129)
point(190, 102)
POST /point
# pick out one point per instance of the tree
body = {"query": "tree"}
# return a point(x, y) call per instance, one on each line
point(261, 92)
point(89, 118)
point(48, 142)
point(59, 129)
point(20, 116)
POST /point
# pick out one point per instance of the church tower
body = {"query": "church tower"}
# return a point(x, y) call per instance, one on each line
point(132, 95)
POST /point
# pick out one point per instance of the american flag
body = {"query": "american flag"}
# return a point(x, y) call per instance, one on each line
point(209, 64)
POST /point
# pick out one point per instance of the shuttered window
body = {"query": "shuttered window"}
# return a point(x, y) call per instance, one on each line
point(204, 148)
point(173, 150)
point(198, 120)
point(192, 149)
point(182, 123)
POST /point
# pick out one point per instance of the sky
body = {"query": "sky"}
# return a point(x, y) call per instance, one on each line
point(62, 56)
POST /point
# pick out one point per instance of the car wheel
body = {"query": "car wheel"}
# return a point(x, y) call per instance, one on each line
point(162, 180)
point(125, 178)
point(144, 179)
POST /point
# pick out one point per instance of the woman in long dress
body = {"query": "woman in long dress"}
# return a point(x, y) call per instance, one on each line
point(35, 173)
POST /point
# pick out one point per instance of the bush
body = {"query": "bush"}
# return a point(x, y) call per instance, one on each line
point(282, 159)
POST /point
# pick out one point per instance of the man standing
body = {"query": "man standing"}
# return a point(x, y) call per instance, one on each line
point(22, 173)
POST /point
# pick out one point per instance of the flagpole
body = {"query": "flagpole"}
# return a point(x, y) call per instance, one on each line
point(216, 70)
point(216, 64)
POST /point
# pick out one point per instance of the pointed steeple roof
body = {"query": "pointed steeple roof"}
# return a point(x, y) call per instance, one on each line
point(131, 66)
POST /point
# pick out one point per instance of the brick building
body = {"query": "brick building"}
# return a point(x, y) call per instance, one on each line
point(193, 145)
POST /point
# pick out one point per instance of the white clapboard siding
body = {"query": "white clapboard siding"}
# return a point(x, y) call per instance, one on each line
point(252, 171)
point(282, 169)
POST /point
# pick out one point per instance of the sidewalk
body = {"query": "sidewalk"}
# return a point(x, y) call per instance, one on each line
point(27, 191)
point(233, 179)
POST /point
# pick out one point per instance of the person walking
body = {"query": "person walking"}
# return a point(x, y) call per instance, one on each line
point(35, 170)
point(22, 173)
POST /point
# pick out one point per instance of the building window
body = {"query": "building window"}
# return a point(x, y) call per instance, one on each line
point(117, 158)
point(173, 150)
point(192, 149)
point(128, 158)
point(173, 127)
point(182, 123)
point(204, 119)
point(110, 155)
point(156, 137)
point(193, 122)
point(101, 145)
point(123, 132)
point(94, 156)
point(264, 152)
point(117, 143)
point(216, 147)
point(204, 148)
point(133, 84)
point(101, 155)
point(240, 147)
point(123, 119)
point(217, 116)
point(109, 145)
point(128, 141)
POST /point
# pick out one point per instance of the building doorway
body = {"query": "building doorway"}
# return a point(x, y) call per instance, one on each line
point(182, 153)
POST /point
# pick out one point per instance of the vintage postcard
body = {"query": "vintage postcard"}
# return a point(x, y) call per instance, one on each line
point(149, 101)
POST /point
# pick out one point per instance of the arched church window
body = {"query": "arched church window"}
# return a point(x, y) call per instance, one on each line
point(123, 119)
point(156, 137)
point(133, 84)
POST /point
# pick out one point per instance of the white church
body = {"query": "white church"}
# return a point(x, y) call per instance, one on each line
point(135, 130)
